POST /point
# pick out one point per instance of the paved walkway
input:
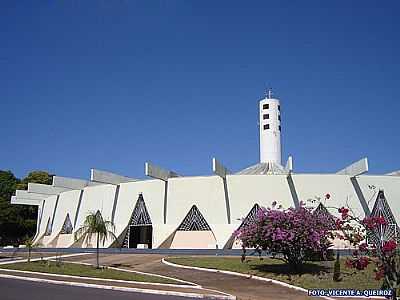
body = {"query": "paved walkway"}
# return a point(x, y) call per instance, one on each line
point(211, 283)
point(178, 287)
point(243, 288)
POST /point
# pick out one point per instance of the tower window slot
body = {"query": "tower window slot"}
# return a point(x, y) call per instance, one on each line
point(266, 106)
point(265, 117)
point(266, 126)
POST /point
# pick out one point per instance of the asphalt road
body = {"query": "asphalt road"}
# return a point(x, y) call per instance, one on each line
point(12, 289)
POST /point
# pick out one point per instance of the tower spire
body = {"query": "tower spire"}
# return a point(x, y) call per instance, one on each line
point(268, 93)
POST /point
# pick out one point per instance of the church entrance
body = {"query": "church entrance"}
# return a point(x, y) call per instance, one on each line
point(141, 236)
point(139, 232)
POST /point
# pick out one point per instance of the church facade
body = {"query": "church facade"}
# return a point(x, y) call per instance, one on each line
point(167, 210)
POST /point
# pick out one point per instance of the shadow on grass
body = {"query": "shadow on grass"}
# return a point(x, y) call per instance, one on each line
point(285, 269)
point(118, 265)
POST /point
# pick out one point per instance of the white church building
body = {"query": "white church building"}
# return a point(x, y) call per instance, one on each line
point(167, 210)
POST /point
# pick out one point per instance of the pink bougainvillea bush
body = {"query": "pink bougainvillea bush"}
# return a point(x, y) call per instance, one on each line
point(385, 254)
point(295, 232)
point(291, 233)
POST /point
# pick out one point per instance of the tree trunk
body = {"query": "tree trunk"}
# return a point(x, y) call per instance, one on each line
point(29, 254)
point(97, 252)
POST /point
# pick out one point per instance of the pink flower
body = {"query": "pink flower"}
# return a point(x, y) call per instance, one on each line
point(349, 263)
point(283, 231)
point(381, 221)
point(362, 263)
point(339, 224)
point(358, 263)
point(363, 247)
point(372, 222)
point(389, 246)
point(344, 211)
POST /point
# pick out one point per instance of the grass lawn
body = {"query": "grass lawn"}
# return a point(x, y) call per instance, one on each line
point(84, 271)
point(315, 274)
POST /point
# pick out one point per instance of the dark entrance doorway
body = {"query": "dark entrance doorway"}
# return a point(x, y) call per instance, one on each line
point(142, 234)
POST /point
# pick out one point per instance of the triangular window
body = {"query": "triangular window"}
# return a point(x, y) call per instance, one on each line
point(67, 226)
point(322, 210)
point(140, 215)
point(251, 216)
point(249, 219)
point(389, 231)
point(194, 221)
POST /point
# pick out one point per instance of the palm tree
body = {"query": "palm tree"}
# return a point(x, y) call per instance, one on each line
point(95, 225)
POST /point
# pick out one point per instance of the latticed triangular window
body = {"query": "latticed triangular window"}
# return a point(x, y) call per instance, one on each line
point(139, 217)
point(322, 210)
point(194, 221)
point(48, 227)
point(389, 231)
point(251, 216)
point(67, 226)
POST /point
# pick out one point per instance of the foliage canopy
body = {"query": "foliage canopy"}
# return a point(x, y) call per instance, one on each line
point(17, 222)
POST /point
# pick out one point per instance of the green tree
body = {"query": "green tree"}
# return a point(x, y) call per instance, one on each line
point(11, 219)
point(95, 225)
point(8, 183)
point(35, 177)
point(17, 221)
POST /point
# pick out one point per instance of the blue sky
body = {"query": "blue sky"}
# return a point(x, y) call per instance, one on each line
point(112, 84)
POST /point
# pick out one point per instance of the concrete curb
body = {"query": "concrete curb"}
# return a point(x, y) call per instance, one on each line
point(242, 275)
point(123, 289)
point(103, 279)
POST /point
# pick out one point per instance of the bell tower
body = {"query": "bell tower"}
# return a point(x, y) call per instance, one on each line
point(270, 129)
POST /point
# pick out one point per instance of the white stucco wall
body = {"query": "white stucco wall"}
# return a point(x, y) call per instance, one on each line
point(310, 186)
point(193, 240)
point(100, 197)
point(247, 190)
point(67, 204)
point(389, 184)
point(207, 193)
point(153, 195)
point(97, 198)
point(48, 210)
